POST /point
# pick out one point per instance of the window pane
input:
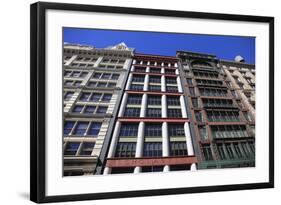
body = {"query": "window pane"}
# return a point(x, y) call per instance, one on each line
point(87, 148)
point(71, 148)
point(94, 128)
point(106, 97)
point(80, 128)
point(68, 125)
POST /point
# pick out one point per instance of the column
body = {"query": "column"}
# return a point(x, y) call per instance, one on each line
point(134, 62)
point(130, 78)
point(146, 81)
point(139, 146)
point(162, 70)
point(147, 69)
point(163, 83)
point(165, 144)
point(98, 62)
point(164, 106)
point(113, 144)
point(177, 72)
point(183, 107)
point(179, 84)
point(71, 60)
point(123, 104)
point(190, 151)
point(132, 68)
point(143, 105)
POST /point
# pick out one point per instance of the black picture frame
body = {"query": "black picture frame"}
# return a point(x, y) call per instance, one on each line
point(38, 100)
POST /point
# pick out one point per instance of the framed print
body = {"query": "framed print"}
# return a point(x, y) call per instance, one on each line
point(129, 102)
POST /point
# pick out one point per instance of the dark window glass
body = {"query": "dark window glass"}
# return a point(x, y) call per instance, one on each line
point(152, 169)
point(71, 148)
point(80, 128)
point(138, 78)
point(174, 113)
point(132, 112)
point(68, 95)
point(78, 108)
point(152, 149)
point(68, 125)
point(136, 87)
point(153, 112)
point(90, 109)
point(84, 96)
point(155, 70)
point(229, 150)
point(154, 100)
point(106, 97)
point(105, 76)
point(176, 130)
point(87, 148)
point(129, 130)
point(154, 79)
point(221, 152)
point(134, 99)
point(115, 76)
point(171, 100)
point(125, 149)
point(172, 89)
point(94, 128)
point(95, 97)
point(154, 87)
point(178, 149)
point(171, 80)
point(101, 110)
point(97, 75)
point(207, 152)
point(153, 130)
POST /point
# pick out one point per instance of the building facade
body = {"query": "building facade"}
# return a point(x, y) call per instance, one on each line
point(152, 132)
point(126, 112)
point(222, 118)
point(93, 82)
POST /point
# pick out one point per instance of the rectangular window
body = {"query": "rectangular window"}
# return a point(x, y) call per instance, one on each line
point(115, 76)
point(172, 89)
point(129, 130)
point(203, 132)
point(140, 69)
point(174, 113)
point(94, 129)
point(87, 148)
point(153, 112)
point(101, 110)
point(176, 130)
point(71, 148)
point(154, 88)
point(78, 108)
point(68, 95)
point(101, 85)
point(85, 96)
point(111, 85)
point(95, 97)
point(194, 102)
point(154, 79)
point(178, 149)
point(155, 70)
point(97, 75)
point(105, 75)
point(132, 112)
point(220, 149)
point(153, 130)
point(207, 152)
point(154, 100)
point(125, 150)
point(90, 109)
point(68, 125)
point(174, 101)
point(80, 128)
point(229, 150)
point(152, 169)
point(138, 78)
point(106, 97)
point(134, 99)
point(170, 71)
point(170, 80)
point(152, 149)
point(136, 87)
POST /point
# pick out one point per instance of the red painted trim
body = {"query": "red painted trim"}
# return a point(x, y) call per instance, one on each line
point(153, 66)
point(138, 119)
point(158, 57)
point(158, 74)
point(153, 93)
point(150, 161)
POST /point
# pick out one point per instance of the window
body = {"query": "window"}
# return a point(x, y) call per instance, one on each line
point(125, 149)
point(194, 102)
point(71, 148)
point(68, 125)
point(154, 100)
point(68, 95)
point(115, 76)
point(140, 69)
point(138, 78)
point(97, 75)
point(198, 116)
point(101, 110)
point(152, 169)
point(189, 81)
point(90, 109)
point(172, 89)
point(78, 108)
point(170, 71)
point(155, 70)
point(85, 96)
point(152, 149)
point(175, 113)
point(101, 85)
point(153, 112)
point(229, 150)
point(154, 87)
point(105, 76)
point(94, 128)
point(129, 130)
point(122, 170)
point(203, 132)
point(237, 150)
point(178, 149)
point(176, 130)
point(154, 79)
point(153, 130)
point(174, 101)
point(80, 128)
point(136, 87)
point(207, 152)
point(171, 80)
point(134, 99)
point(106, 97)
point(221, 152)
point(132, 112)
point(111, 85)
point(87, 148)
point(95, 97)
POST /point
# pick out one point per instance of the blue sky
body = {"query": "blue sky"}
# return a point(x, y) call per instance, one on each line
point(224, 47)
